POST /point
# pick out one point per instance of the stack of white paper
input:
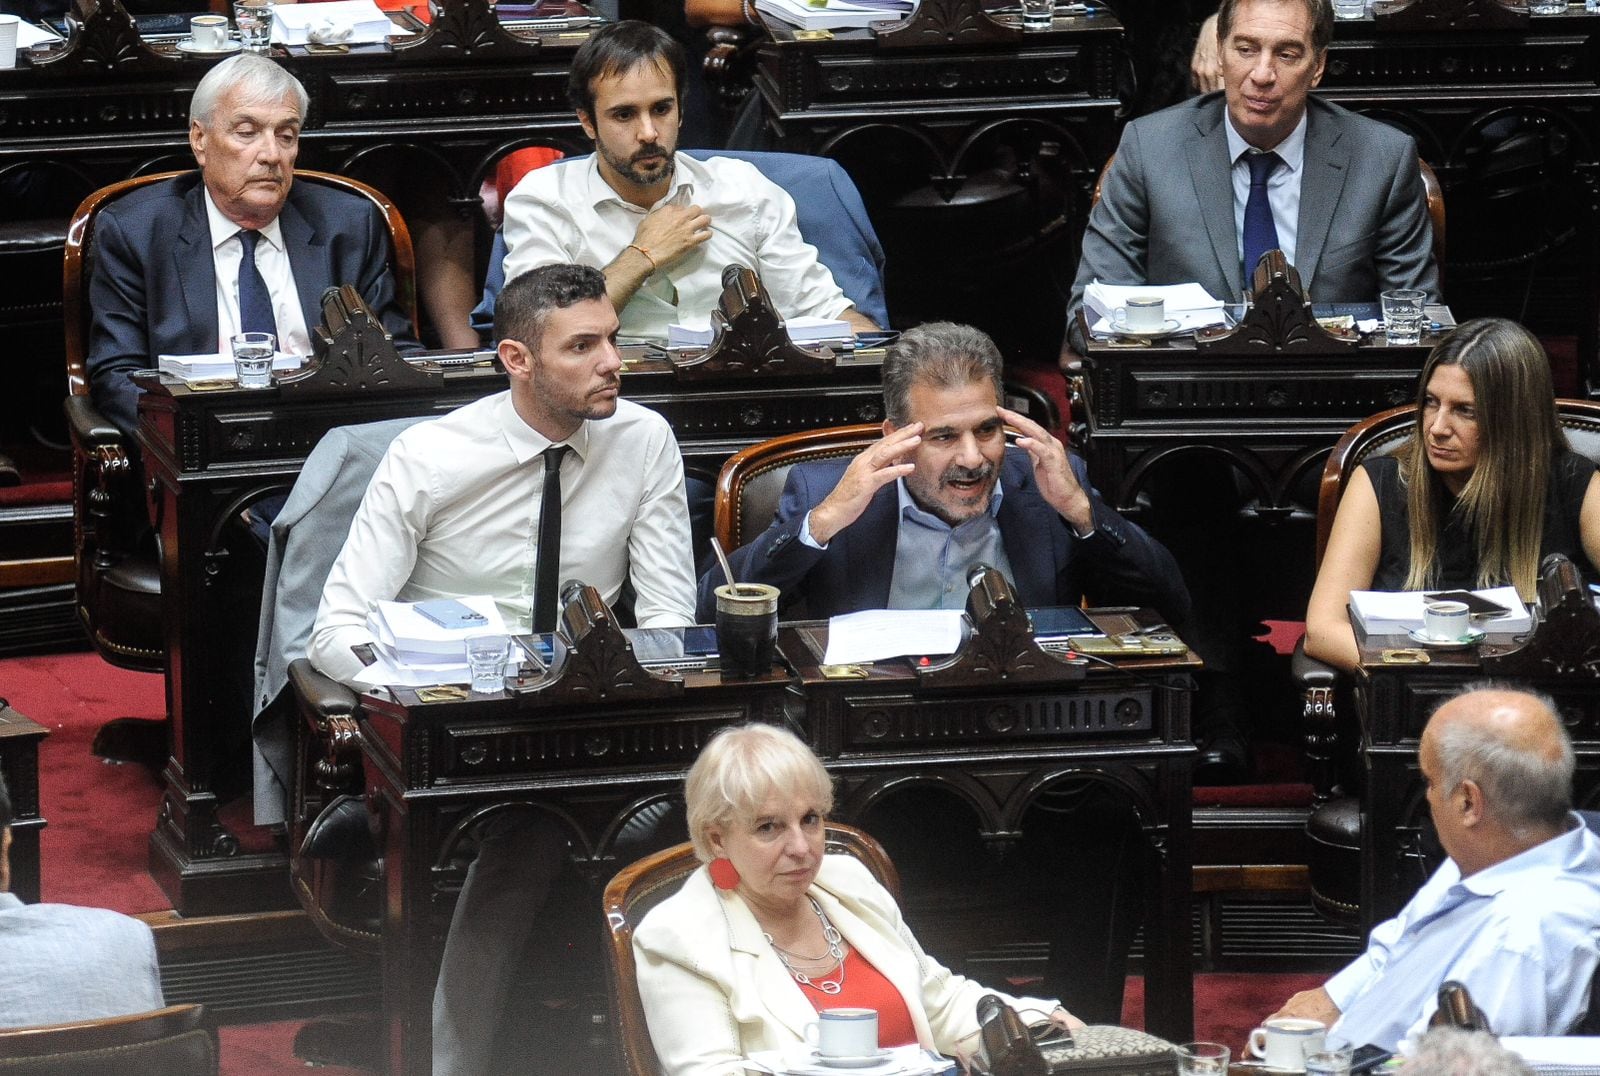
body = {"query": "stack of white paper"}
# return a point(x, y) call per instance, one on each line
point(413, 651)
point(803, 1061)
point(339, 22)
point(215, 367)
point(835, 14)
point(1386, 612)
point(803, 330)
point(1557, 1056)
point(876, 634)
point(1190, 305)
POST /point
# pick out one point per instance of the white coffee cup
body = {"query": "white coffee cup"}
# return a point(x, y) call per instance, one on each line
point(8, 40)
point(1285, 1043)
point(1142, 314)
point(1446, 621)
point(844, 1033)
point(209, 32)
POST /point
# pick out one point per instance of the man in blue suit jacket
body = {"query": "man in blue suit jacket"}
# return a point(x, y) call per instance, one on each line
point(901, 524)
point(160, 253)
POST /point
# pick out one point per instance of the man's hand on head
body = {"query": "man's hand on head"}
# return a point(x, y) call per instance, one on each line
point(1058, 483)
point(1310, 1005)
point(874, 468)
point(669, 232)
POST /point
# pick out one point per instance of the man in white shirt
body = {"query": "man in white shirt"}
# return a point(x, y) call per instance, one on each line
point(1514, 915)
point(169, 276)
point(463, 505)
point(660, 224)
point(1199, 190)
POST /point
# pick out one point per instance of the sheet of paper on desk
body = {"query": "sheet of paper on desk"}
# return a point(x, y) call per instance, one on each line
point(1570, 1055)
point(877, 634)
point(31, 34)
point(836, 14)
point(802, 330)
point(349, 22)
point(211, 367)
point(802, 1061)
point(390, 671)
point(415, 638)
point(1395, 612)
point(1189, 304)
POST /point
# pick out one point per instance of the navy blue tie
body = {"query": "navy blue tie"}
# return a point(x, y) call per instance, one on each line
point(1260, 233)
point(255, 302)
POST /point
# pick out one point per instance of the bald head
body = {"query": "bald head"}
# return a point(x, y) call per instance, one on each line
point(1500, 765)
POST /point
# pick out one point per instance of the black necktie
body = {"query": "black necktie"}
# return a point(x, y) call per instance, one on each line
point(546, 576)
point(255, 302)
point(1260, 231)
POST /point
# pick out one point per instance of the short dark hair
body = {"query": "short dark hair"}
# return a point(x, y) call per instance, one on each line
point(617, 49)
point(941, 354)
point(1321, 12)
point(5, 803)
point(520, 309)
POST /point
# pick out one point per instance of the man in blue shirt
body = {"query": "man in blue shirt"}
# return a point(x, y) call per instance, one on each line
point(1515, 912)
point(60, 963)
point(901, 524)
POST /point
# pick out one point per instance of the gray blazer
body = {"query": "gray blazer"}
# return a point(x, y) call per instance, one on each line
point(1165, 214)
point(307, 536)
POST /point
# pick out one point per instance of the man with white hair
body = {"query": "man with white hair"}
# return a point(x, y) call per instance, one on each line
point(180, 267)
point(1514, 915)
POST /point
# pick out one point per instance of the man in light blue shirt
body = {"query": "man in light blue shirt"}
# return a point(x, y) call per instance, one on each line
point(60, 963)
point(1515, 913)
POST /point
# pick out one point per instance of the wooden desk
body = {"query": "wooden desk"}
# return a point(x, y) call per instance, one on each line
point(208, 455)
point(19, 762)
point(1394, 703)
point(997, 748)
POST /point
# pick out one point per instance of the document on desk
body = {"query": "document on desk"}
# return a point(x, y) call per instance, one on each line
point(345, 22)
point(877, 634)
point(1395, 612)
point(802, 1060)
point(1572, 1055)
point(1190, 305)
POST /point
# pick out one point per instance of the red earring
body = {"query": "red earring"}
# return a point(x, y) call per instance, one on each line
point(724, 875)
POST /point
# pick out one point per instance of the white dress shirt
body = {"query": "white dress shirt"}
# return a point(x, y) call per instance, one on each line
point(453, 510)
point(1283, 186)
point(569, 213)
point(272, 261)
point(1523, 936)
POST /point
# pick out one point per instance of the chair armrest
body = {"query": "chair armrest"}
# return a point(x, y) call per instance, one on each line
point(1318, 682)
point(727, 68)
point(320, 697)
point(90, 429)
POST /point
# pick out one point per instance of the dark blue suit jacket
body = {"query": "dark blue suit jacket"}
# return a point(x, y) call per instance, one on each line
point(153, 291)
point(1118, 564)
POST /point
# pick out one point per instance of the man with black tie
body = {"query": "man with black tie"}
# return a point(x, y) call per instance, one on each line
point(1199, 191)
point(238, 246)
point(465, 505)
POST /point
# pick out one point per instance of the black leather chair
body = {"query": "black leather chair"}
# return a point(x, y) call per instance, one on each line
point(169, 1042)
point(1334, 827)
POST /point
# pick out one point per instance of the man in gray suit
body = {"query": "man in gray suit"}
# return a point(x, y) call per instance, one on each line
point(1193, 185)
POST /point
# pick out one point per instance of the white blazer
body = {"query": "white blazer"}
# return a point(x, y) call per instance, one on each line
point(714, 991)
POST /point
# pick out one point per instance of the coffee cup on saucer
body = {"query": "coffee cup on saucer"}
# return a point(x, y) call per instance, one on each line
point(1141, 314)
point(844, 1034)
point(1446, 621)
point(1285, 1042)
point(208, 33)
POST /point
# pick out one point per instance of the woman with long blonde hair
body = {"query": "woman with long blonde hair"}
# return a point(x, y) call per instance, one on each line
point(1485, 489)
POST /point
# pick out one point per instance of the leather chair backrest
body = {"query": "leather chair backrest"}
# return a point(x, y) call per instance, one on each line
point(751, 482)
point(78, 259)
point(1387, 432)
point(168, 1041)
point(637, 888)
point(828, 210)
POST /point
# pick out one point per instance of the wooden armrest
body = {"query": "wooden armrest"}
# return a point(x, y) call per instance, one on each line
point(320, 697)
point(90, 429)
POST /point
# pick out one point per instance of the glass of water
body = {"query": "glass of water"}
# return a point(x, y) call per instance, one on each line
point(486, 657)
point(1547, 7)
point(1038, 14)
point(1349, 9)
point(1402, 314)
point(1203, 1059)
point(252, 359)
point(1329, 1062)
point(254, 20)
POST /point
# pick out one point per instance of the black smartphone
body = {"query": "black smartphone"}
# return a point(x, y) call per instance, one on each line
point(1476, 604)
point(450, 613)
point(1369, 1057)
point(1057, 622)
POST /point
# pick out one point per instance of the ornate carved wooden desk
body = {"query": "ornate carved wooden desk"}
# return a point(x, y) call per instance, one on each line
point(209, 455)
point(997, 744)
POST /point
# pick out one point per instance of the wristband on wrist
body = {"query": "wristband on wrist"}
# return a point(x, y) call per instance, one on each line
point(654, 268)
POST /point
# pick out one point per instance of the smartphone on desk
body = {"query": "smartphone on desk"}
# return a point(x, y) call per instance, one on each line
point(451, 614)
point(1477, 604)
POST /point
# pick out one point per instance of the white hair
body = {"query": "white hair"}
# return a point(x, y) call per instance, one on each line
point(255, 77)
point(1453, 1051)
point(1526, 790)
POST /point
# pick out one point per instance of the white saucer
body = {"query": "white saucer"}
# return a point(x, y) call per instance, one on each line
point(1168, 327)
point(1472, 638)
point(864, 1061)
point(188, 45)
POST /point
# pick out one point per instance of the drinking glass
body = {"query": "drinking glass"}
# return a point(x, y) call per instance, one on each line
point(1038, 14)
point(1203, 1059)
point(1547, 7)
point(252, 359)
point(1402, 314)
point(254, 20)
point(1329, 1062)
point(1349, 9)
point(486, 657)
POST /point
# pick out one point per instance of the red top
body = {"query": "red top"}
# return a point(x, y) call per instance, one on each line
point(866, 988)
